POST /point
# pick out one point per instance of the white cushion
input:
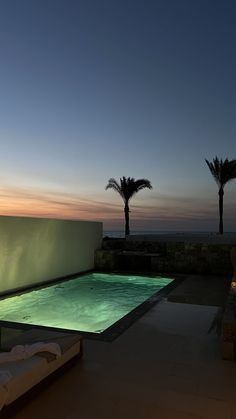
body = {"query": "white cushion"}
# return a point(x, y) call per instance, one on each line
point(29, 372)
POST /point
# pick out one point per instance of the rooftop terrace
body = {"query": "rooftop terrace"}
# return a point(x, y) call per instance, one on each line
point(165, 365)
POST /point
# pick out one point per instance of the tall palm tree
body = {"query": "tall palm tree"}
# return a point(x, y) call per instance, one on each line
point(223, 172)
point(127, 188)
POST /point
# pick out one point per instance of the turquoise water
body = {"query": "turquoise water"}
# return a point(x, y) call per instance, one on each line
point(90, 303)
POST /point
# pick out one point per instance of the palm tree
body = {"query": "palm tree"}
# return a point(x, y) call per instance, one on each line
point(223, 172)
point(126, 189)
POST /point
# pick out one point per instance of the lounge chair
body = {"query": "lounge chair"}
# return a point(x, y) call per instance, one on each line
point(18, 377)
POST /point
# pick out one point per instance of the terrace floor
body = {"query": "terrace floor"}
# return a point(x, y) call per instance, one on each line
point(166, 365)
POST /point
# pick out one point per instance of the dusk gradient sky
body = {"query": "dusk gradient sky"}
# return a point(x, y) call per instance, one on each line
point(93, 89)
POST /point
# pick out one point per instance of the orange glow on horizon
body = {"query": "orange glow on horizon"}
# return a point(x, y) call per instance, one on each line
point(168, 213)
point(17, 202)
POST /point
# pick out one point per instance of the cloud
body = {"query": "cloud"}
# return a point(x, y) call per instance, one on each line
point(29, 202)
point(162, 212)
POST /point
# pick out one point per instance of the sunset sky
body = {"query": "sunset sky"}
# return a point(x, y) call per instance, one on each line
point(93, 89)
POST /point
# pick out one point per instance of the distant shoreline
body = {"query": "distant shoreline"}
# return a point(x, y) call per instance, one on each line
point(180, 237)
point(120, 233)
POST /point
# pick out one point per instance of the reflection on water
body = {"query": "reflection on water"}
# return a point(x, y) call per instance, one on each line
point(90, 302)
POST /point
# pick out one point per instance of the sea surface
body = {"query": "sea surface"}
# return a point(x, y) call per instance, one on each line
point(121, 234)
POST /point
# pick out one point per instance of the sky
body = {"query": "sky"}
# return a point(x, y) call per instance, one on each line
point(94, 89)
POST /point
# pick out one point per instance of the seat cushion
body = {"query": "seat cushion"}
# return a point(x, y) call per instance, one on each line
point(29, 372)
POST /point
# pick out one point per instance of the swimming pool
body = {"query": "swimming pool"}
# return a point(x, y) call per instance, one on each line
point(89, 303)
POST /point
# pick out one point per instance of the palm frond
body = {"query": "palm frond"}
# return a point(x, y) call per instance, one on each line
point(113, 184)
point(143, 183)
point(228, 172)
point(223, 171)
point(214, 169)
point(128, 186)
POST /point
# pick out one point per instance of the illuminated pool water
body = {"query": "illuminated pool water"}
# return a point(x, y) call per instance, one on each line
point(90, 303)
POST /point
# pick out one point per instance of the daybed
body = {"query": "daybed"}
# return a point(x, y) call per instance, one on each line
point(18, 377)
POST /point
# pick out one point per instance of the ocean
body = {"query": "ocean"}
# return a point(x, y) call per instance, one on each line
point(121, 234)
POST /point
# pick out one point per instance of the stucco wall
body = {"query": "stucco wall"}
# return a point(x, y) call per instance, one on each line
point(35, 250)
point(169, 256)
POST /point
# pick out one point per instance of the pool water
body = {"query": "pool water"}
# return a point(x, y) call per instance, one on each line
point(91, 302)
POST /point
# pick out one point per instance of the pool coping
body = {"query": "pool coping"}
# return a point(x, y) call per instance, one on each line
point(117, 328)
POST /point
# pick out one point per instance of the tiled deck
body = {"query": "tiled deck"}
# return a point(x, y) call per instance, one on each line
point(165, 365)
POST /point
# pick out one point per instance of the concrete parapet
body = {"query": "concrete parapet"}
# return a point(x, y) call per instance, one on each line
point(37, 250)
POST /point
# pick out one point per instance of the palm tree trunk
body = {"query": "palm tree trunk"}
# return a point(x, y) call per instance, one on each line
point(221, 194)
point(126, 210)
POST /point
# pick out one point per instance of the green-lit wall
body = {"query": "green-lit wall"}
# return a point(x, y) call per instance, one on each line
point(35, 250)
